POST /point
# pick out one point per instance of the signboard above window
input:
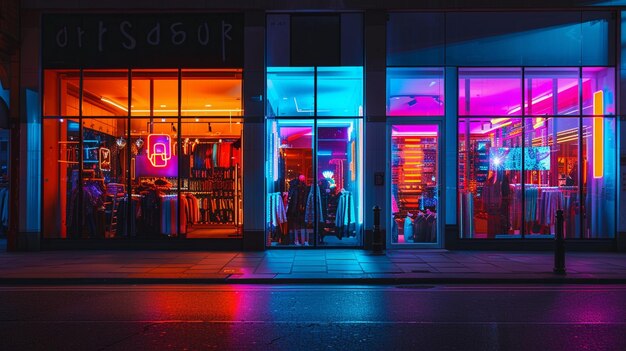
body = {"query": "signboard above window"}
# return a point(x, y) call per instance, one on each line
point(142, 40)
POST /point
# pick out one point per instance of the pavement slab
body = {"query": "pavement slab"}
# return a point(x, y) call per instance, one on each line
point(308, 265)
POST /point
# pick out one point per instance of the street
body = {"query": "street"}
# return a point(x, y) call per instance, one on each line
point(320, 317)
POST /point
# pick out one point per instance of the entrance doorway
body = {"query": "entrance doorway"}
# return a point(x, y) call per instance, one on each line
point(414, 186)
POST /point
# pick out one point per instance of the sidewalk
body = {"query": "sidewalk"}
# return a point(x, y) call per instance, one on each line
point(306, 266)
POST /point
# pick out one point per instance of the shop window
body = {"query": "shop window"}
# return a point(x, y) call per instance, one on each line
point(551, 91)
point(489, 163)
point(490, 91)
point(598, 91)
point(415, 92)
point(154, 92)
point(61, 93)
point(105, 93)
point(211, 177)
point(140, 172)
point(290, 91)
point(314, 201)
point(211, 92)
point(61, 164)
point(414, 183)
point(599, 177)
point(289, 175)
point(340, 91)
point(104, 211)
point(551, 178)
point(339, 199)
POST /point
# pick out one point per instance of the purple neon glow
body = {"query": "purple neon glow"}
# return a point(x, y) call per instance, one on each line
point(144, 168)
point(498, 91)
point(415, 130)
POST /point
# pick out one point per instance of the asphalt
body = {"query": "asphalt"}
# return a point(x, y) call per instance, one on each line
point(332, 266)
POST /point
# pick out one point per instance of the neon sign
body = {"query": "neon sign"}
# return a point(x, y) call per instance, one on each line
point(598, 134)
point(104, 159)
point(159, 149)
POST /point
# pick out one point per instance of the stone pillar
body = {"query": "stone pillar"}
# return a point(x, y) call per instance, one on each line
point(375, 143)
point(253, 132)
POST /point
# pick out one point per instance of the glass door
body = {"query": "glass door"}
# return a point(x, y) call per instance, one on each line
point(414, 198)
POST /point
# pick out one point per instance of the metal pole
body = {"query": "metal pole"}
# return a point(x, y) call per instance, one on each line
point(559, 245)
point(377, 242)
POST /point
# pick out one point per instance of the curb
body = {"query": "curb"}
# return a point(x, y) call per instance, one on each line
point(298, 281)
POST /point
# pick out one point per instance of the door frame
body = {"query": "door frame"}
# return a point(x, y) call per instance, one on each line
point(439, 122)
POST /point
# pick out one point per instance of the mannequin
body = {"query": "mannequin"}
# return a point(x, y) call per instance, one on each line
point(296, 207)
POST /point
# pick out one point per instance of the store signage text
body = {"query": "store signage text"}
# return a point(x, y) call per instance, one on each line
point(211, 40)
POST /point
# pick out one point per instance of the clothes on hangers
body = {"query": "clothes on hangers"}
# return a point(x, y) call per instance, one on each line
point(345, 219)
point(309, 215)
point(408, 229)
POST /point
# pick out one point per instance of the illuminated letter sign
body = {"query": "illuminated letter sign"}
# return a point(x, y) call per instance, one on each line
point(159, 149)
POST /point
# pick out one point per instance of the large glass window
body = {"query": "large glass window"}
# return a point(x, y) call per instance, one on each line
point(291, 91)
point(339, 199)
point(489, 167)
point(61, 96)
point(340, 91)
point(414, 183)
point(490, 91)
point(594, 81)
point(314, 200)
point(105, 93)
point(599, 177)
point(211, 92)
point(551, 91)
point(290, 176)
point(514, 174)
point(415, 92)
point(144, 165)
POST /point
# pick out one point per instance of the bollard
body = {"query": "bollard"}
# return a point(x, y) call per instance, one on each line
point(559, 245)
point(377, 240)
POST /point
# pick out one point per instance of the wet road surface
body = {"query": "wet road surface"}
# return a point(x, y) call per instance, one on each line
point(325, 317)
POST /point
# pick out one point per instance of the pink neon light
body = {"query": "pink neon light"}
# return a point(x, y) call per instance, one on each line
point(159, 149)
point(415, 130)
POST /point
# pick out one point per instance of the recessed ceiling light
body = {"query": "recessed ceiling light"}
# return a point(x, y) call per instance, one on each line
point(197, 119)
point(208, 105)
point(162, 119)
point(163, 105)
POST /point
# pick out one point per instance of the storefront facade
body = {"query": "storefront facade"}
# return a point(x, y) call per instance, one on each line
point(262, 129)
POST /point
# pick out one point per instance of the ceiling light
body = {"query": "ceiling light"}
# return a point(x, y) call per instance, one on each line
point(208, 105)
point(113, 103)
point(197, 119)
point(432, 83)
point(163, 105)
point(162, 119)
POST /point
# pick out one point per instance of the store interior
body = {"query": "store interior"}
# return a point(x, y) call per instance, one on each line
point(516, 172)
point(414, 183)
point(159, 168)
point(314, 201)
